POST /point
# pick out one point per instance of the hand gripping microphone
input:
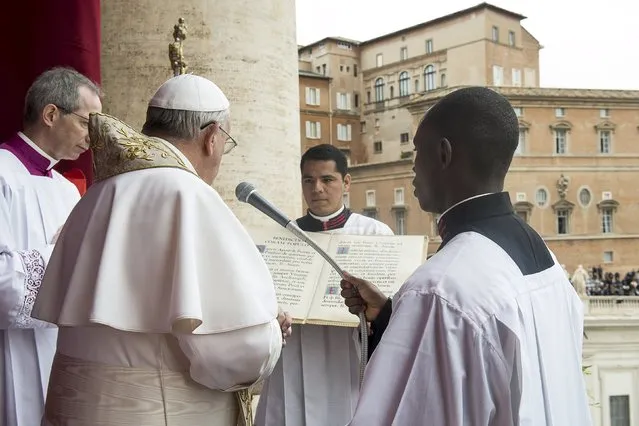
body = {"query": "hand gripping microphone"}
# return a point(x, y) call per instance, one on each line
point(247, 193)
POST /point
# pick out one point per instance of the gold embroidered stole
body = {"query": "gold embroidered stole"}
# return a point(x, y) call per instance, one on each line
point(117, 148)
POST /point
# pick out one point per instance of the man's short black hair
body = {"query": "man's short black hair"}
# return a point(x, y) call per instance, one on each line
point(326, 152)
point(483, 123)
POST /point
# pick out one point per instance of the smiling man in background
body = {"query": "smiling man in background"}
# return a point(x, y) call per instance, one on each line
point(316, 381)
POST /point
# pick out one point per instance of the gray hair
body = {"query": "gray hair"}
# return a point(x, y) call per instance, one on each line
point(178, 123)
point(58, 86)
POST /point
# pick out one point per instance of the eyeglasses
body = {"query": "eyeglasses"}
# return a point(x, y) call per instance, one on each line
point(229, 142)
point(68, 111)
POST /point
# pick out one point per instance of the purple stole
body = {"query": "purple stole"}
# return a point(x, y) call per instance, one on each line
point(35, 163)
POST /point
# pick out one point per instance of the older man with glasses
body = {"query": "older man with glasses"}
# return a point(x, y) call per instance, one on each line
point(35, 201)
point(167, 310)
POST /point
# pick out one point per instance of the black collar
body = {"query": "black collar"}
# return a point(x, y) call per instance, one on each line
point(462, 217)
point(310, 224)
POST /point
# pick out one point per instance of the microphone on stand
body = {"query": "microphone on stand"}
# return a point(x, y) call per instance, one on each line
point(247, 193)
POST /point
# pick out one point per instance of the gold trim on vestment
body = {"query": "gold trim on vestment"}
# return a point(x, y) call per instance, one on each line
point(117, 148)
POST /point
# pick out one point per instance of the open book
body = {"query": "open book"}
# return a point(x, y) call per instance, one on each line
point(309, 288)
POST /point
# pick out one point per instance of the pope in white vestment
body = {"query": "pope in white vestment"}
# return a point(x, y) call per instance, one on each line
point(316, 382)
point(167, 311)
point(35, 202)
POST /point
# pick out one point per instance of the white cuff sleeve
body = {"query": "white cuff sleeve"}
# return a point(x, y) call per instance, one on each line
point(20, 283)
point(233, 360)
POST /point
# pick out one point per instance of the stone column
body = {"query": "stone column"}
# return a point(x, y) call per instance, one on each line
point(249, 49)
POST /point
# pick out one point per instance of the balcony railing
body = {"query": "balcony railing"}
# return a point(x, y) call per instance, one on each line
point(612, 306)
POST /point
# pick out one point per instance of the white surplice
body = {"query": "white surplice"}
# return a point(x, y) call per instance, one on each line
point(316, 381)
point(32, 209)
point(474, 342)
point(163, 302)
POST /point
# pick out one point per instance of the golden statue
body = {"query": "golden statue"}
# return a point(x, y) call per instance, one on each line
point(176, 54)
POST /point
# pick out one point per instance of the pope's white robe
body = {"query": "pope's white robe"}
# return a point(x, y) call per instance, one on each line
point(316, 381)
point(32, 209)
point(164, 304)
point(488, 332)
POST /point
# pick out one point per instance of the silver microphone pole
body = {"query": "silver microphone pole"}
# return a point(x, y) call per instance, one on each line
point(247, 193)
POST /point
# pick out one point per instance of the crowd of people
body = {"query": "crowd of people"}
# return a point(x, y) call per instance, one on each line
point(602, 283)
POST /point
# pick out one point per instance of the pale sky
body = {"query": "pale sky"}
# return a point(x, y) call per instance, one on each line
point(592, 47)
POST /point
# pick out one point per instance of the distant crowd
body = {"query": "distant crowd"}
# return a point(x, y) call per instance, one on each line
point(602, 283)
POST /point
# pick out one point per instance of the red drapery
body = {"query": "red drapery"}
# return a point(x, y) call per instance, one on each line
point(44, 34)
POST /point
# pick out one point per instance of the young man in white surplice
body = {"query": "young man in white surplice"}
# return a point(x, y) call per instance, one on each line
point(316, 381)
point(35, 201)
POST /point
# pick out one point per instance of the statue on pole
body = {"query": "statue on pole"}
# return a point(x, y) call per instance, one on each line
point(176, 54)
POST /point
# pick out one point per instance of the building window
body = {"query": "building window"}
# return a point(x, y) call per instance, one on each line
point(363, 127)
point(523, 215)
point(343, 101)
point(495, 35)
point(619, 406)
point(372, 213)
point(354, 70)
point(324, 69)
point(398, 196)
point(379, 60)
point(585, 197)
point(522, 207)
point(608, 256)
point(377, 123)
point(498, 75)
point(346, 199)
point(344, 45)
point(341, 68)
point(606, 220)
point(511, 38)
point(521, 146)
point(403, 54)
point(605, 139)
point(313, 130)
point(530, 77)
point(443, 80)
point(560, 112)
point(561, 141)
point(400, 222)
point(343, 132)
point(312, 96)
point(604, 113)
point(319, 69)
point(563, 217)
point(519, 111)
point(392, 92)
point(516, 77)
point(377, 147)
point(403, 84)
point(429, 46)
point(379, 90)
point(370, 198)
point(541, 197)
point(429, 78)
point(404, 137)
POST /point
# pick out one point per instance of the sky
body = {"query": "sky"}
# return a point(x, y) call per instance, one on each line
point(594, 47)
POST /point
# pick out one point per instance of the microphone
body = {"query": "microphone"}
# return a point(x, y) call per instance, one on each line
point(247, 193)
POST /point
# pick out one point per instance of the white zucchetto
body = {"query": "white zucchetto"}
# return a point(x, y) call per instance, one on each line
point(190, 93)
